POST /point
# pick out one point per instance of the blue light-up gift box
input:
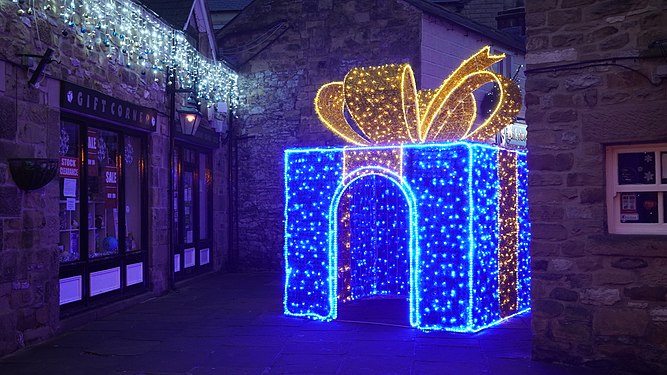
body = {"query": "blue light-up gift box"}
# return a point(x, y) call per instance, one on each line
point(445, 225)
point(440, 221)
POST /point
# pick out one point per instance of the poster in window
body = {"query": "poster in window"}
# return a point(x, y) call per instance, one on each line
point(636, 168)
point(639, 207)
point(629, 207)
point(92, 153)
point(69, 167)
point(110, 187)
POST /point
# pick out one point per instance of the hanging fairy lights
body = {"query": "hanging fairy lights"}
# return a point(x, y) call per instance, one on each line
point(132, 36)
point(445, 224)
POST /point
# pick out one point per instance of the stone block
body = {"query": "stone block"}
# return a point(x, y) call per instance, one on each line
point(561, 265)
point(563, 17)
point(550, 162)
point(538, 7)
point(592, 195)
point(615, 42)
point(659, 314)
point(553, 232)
point(565, 40)
point(629, 263)
point(575, 3)
point(35, 335)
point(563, 294)
point(577, 312)
point(546, 213)
point(584, 179)
point(582, 82)
point(545, 179)
point(554, 56)
point(613, 277)
point(588, 264)
point(10, 201)
point(572, 330)
point(579, 280)
point(600, 296)
point(546, 308)
point(8, 119)
point(615, 322)
point(573, 249)
point(647, 293)
point(536, 43)
point(541, 85)
point(568, 115)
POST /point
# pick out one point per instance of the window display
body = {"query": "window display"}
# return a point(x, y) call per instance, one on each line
point(101, 203)
point(637, 189)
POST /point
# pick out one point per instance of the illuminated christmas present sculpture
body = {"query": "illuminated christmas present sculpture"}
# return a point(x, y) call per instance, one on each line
point(417, 209)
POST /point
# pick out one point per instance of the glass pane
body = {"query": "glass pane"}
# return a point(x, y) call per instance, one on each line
point(103, 163)
point(133, 171)
point(639, 207)
point(188, 219)
point(204, 183)
point(70, 182)
point(636, 168)
point(664, 167)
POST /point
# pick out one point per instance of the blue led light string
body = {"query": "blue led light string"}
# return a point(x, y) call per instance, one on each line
point(485, 232)
point(311, 178)
point(439, 177)
point(334, 235)
point(524, 234)
point(451, 191)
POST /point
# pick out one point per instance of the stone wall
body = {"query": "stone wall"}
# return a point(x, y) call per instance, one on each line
point(278, 85)
point(598, 299)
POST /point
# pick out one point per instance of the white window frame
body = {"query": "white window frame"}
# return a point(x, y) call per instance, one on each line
point(614, 190)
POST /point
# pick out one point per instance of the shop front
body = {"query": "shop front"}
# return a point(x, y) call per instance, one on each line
point(103, 198)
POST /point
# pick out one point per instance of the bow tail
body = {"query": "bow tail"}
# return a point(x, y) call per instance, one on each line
point(509, 104)
point(330, 108)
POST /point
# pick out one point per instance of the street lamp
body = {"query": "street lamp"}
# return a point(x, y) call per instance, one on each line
point(189, 117)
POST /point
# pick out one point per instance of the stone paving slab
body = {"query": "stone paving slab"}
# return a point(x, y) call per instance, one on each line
point(232, 324)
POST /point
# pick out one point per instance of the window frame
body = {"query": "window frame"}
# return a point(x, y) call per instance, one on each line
point(614, 190)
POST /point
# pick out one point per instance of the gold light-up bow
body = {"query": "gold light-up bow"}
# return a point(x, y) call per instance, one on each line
point(386, 107)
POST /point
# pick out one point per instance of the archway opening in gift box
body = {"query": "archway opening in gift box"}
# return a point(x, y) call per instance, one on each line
point(374, 241)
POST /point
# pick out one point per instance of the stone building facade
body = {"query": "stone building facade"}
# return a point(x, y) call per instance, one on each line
point(286, 51)
point(597, 83)
point(31, 222)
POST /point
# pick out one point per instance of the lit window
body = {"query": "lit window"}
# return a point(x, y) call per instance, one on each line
point(637, 189)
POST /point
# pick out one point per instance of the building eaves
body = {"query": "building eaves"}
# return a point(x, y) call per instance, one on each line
point(227, 5)
point(491, 33)
point(174, 12)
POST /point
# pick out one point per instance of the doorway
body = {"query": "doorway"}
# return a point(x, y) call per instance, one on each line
point(373, 252)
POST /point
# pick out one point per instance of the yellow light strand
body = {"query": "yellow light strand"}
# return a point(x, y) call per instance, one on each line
point(387, 108)
point(509, 232)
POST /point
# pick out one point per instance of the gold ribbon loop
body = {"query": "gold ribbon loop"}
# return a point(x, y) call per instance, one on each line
point(387, 108)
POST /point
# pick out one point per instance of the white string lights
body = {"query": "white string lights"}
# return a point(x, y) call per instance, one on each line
point(130, 35)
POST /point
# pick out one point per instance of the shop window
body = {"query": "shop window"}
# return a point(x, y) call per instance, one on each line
point(637, 189)
point(102, 209)
point(192, 210)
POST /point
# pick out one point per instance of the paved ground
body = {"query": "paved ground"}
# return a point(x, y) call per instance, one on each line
point(233, 324)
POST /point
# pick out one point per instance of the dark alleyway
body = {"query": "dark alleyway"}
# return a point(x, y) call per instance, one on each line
point(233, 324)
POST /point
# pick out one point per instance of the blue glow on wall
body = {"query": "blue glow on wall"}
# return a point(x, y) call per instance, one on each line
point(420, 221)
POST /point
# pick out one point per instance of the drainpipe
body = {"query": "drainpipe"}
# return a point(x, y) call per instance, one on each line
point(170, 182)
point(232, 251)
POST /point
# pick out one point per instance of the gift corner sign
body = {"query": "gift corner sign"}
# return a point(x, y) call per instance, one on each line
point(416, 207)
point(89, 102)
